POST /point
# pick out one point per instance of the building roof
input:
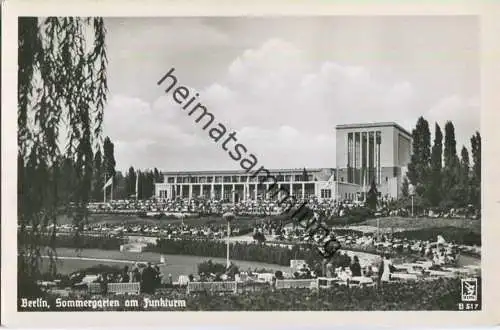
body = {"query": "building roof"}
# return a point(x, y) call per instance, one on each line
point(243, 172)
point(370, 125)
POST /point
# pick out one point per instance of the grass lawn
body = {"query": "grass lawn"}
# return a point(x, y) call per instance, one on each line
point(421, 223)
point(176, 264)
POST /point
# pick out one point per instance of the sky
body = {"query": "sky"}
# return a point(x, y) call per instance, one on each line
point(284, 83)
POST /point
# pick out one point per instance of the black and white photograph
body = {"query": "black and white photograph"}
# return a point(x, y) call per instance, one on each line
point(249, 163)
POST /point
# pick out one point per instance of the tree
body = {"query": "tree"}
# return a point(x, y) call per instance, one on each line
point(418, 168)
point(476, 170)
point(109, 161)
point(450, 146)
point(62, 86)
point(259, 237)
point(158, 176)
point(405, 187)
point(435, 179)
point(372, 196)
point(131, 181)
point(305, 175)
point(98, 178)
point(109, 158)
point(451, 171)
point(462, 197)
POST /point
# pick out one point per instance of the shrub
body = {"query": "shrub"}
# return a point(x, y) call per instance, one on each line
point(453, 234)
point(209, 267)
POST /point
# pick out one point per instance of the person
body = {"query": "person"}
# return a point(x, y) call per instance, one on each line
point(355, 267)
point(386, 274)
point(148, 279)
point(125, 275)
point(104, 283)
point(158, 276)
point(136, 275)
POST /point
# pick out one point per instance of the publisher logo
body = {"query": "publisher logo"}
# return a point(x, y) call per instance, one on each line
point(469, 289)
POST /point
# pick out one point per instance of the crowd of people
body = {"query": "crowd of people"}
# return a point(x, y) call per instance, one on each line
point(262, 207)
point(201, 206)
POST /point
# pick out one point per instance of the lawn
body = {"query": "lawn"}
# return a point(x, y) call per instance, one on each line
point(422, 223)
point(176, 264)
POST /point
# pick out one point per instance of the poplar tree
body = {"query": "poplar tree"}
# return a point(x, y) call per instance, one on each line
point(418, 168)
point(476, 171)
point(464, 178)
point(434, 191)
point(131, 181)
point(98, 177)
point(451, 165)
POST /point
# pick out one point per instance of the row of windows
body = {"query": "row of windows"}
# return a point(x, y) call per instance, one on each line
point(363, 151)
point(236, 179)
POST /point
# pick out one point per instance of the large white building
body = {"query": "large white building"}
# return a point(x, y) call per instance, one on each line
point(376, 152)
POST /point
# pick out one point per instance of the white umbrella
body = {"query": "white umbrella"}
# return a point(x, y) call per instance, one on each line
point(440, 240)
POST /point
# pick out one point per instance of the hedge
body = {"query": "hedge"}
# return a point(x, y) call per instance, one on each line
point(453, 234)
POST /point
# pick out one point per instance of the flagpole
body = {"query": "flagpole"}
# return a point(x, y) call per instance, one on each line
point(137, 185)
point(105, 181)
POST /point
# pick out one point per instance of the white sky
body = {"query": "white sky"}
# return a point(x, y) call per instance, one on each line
point(284, 83)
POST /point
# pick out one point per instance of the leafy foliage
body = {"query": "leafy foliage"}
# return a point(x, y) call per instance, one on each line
point(210, 267)
point(447, 181)
point(62, 90)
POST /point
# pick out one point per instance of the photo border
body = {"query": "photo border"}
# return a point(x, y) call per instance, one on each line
point(490, 117)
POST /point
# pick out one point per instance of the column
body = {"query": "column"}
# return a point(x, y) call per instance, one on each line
point(303, 190)
point(367, 158)
point(212, 191)
point(376, 147)
point(222, 191)
point(190, 191)
point(181, 191)
point(233, 193)
point(291, 189)
point(256, 192)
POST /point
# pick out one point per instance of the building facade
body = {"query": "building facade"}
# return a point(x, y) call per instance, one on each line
point(378, 152)
point(238, 185)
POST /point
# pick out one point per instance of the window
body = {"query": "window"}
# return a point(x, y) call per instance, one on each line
point(171, 180)
point(243, 178)
point(326, 193)
point(210, 179)
point(227, 179)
